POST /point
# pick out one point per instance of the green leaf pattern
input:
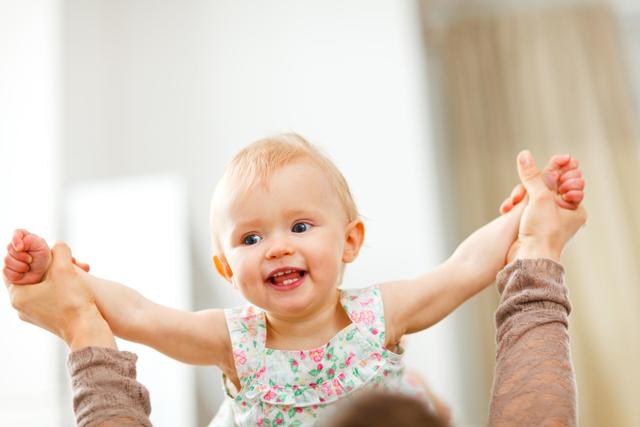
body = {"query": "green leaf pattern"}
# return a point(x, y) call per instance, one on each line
point(327, 373)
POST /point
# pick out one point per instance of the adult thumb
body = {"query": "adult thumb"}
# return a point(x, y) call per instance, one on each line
point(530, 175)
point(61, 254)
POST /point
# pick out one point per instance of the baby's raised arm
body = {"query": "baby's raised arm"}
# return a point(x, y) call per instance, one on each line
point(196, 338)
point(413, 305)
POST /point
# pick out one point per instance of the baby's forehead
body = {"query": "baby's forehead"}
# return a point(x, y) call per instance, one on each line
point(241, 183)
point(299, 189)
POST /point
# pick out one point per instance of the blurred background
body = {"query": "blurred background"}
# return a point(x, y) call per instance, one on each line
point(117, 117)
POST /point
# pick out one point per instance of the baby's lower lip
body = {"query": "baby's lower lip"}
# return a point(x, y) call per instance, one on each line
point(288, 287)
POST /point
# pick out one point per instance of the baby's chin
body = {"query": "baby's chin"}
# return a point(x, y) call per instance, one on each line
point(291, 305)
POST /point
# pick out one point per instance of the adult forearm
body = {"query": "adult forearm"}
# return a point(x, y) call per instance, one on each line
point(533, 250)
point(90, 330)
point(105, 390)
point(534, 380)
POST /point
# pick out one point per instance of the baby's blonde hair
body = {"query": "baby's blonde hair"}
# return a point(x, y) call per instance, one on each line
point(255, 164)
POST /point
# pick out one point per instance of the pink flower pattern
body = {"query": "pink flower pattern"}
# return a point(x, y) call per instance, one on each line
point(349, 359)
point(363, 316)
point(316, 355)
point(290, 388)
point(240, 357)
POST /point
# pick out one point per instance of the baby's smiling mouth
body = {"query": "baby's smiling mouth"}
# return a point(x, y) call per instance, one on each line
point(286, 276)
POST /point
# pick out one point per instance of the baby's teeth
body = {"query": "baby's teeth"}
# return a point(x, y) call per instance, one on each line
point(288, 281)
point(282, 273)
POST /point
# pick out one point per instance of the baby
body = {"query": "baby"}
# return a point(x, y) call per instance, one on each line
point(284, 226)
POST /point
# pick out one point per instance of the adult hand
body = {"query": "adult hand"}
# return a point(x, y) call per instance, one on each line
point(545, 227)
point(63, 304)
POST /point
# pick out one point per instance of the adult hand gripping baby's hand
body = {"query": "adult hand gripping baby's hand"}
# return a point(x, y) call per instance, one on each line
point(545, 227)
point(63, 303)
point(28, 259)
point(562, 175)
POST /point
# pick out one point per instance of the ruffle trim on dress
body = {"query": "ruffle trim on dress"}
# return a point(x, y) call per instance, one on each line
point(325, 390)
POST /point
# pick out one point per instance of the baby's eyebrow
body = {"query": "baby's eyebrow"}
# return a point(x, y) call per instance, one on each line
point(240, 226)
point(301, 212)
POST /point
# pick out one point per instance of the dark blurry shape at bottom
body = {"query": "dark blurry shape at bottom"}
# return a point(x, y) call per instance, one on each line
point(378, 408)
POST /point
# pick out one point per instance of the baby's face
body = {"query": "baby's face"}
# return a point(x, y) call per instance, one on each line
point(284, 245)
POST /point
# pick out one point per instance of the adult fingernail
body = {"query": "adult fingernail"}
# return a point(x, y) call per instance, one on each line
point(525, 158)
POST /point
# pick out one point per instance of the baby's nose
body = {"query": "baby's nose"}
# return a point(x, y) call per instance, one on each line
point(279, 250)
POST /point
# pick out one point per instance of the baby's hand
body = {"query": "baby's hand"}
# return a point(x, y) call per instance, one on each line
point(561, 175)
point(28, 258)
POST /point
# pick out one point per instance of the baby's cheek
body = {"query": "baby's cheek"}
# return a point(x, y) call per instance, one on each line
point(240, 269)
point(330, 264)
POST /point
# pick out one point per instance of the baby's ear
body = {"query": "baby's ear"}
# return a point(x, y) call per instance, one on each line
point(223, 267)
point(354, 237)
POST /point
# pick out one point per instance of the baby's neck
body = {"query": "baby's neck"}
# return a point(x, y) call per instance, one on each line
point(306, 333)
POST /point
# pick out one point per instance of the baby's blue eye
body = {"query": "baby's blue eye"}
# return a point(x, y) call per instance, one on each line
point(301, 227)
point(251, 239)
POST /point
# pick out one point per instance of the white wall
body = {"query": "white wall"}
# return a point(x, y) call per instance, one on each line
point(151, 87)
point(134, 230)
point(180, 87)
point(30, 377)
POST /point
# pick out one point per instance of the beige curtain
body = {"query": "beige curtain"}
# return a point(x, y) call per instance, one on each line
point(554, 81)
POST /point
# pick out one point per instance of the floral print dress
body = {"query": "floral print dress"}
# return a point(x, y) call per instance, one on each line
point(293, 388)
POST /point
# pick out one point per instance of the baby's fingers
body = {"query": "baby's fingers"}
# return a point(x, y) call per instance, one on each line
point(571, 184)
point(15, 265)
point(558, 161)
point(574, 197)
point(12, 276)
point(518, 194)
point(17, 239)
point(550, 174)
point(573, 164)
point(508, 203)
point(20, 256)
point(506, 206)
point(570, 174)
point(34, 243)
point(82, 265)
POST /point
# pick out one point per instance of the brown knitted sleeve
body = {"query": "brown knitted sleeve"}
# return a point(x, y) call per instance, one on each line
point(105, 390)
point(534, 381)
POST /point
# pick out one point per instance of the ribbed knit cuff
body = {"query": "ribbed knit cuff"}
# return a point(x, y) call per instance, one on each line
point(530, 286)
point(105, 387)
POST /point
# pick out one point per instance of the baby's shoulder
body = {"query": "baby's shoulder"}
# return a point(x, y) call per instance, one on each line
point(361, 297)
point(364, 306)
point(245, 319)
point(246, 311)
